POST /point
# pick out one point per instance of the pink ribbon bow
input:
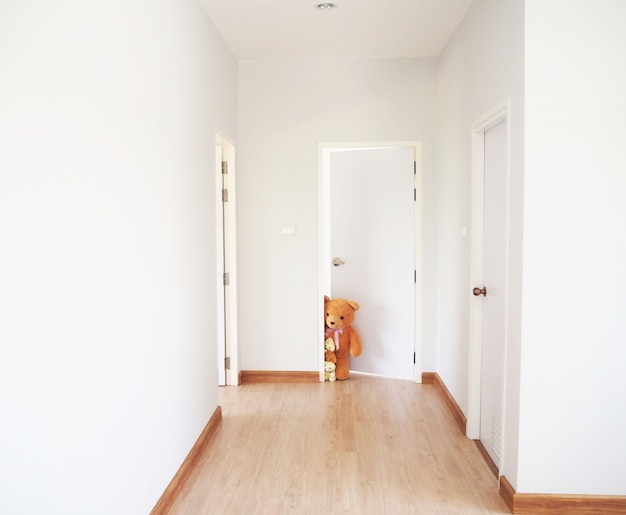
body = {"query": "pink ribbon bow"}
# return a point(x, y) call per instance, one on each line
point(335, 333)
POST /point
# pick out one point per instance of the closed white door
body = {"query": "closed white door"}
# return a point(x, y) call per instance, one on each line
point(494, 302)
point(372, 213)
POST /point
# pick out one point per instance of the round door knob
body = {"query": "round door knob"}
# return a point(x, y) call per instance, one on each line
point(480, 291)
point(337, 262)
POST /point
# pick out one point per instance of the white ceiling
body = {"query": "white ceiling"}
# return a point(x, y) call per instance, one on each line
point(296, 29)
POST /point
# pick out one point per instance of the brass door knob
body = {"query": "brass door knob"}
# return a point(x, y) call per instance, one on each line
point(480, 291)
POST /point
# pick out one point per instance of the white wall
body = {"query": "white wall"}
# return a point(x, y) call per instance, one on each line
point(108, 372)
point(573, 382)
point(558, 61)
point(481, 65)
point(285, 109)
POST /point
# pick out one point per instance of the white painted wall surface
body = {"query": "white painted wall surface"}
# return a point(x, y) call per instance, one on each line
point(285, 109)
point(481, 66)
point(108, 360)
point(573, 419)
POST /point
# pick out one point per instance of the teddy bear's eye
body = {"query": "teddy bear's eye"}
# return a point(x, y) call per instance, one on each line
point(341, 318)
point(326, 314)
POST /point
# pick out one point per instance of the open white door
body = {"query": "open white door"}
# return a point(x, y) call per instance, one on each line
point(226, 262)
point(372, 241)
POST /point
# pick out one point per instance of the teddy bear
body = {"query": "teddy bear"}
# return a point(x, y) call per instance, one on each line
point(329, 360)
point(329, 350)
point(329, 371)
point(338, 318)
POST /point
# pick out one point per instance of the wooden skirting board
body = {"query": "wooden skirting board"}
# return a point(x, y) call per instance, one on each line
point(535, 504)
point(277, 376)
point(433, 378)
point(487, 458)
point(177, 484)
point(553, 504)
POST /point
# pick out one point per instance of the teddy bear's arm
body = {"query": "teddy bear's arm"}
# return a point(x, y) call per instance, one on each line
point(355, 342)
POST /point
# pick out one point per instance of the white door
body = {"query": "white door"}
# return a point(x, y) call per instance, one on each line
point(222, 290)
point(372, 212)
point(494, 301)
point(226, 260)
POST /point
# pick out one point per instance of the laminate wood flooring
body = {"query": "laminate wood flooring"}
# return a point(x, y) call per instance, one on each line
point(368, 445)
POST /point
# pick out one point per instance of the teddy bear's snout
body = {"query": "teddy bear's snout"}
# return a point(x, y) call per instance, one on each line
point(332, 321)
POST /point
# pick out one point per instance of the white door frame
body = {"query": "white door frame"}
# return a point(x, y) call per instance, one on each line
point(226, 260)
point(498, 114)
point(324, 251)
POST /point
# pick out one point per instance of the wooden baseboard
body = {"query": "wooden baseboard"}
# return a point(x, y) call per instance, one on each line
point(277, 376)
point(492, 466)
point(434, 379)
point(428, 377)
point(177, 484)
point(553, 504)
point(507, 492)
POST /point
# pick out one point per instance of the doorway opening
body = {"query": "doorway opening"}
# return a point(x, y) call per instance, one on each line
point(226, 259)
point(489, 281)
point(375, 219)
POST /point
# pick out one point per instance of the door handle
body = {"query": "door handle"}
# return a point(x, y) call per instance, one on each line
point(480, 291)
point(337, 261)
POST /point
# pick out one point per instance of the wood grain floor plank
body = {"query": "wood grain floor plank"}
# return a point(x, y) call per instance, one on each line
point(366, 445)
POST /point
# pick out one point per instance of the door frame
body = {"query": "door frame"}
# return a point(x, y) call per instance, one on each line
point(226, 260)
point(498, 114)
point(324, 251)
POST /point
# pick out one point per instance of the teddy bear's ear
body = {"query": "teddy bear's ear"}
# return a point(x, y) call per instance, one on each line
point(354, 305)
point(326, 299)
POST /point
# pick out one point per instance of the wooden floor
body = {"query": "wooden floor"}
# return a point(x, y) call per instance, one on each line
point(368, 445)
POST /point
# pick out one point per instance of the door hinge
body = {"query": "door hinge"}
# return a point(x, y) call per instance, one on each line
point(414, 167)
point(224, 167)
point(224, 195)
point(227, 363)
point(414, 358)
point(415, 276)
point(226, 278)
point(414, 194)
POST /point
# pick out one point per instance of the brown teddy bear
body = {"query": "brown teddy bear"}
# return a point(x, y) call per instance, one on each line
point(338, 317)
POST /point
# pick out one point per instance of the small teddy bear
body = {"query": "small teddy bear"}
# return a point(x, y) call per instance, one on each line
point(329, 350)
point(329, 371)
point(329, 360)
